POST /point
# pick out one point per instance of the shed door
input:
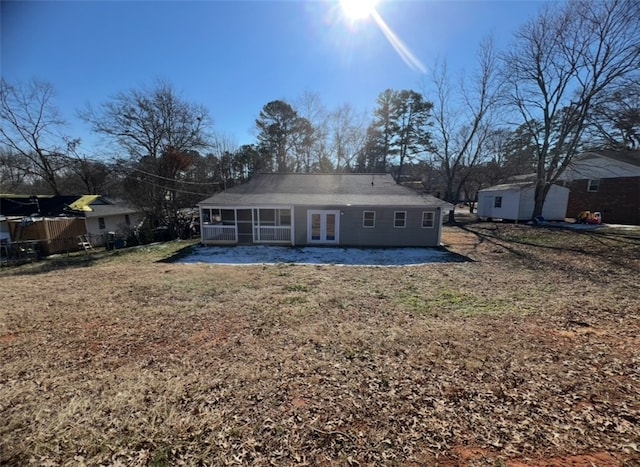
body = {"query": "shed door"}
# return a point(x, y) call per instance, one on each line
point(323, 227)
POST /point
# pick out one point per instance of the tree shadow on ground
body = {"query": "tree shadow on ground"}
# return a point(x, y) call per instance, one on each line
point(533, 246)
point(57, 263)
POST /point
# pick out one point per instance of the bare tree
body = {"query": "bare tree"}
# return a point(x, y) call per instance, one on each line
point(223, 149)
point(463, 120)
point(13, 177)
point(347, 134)
point(559, 65)
point(310, 107)
point(160, 133)
point(31, 128)
point(614, 119)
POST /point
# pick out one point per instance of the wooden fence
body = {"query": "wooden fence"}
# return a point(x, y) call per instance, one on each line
point(53, 234)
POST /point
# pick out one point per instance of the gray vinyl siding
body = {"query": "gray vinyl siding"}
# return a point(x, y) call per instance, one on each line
point(352, 232)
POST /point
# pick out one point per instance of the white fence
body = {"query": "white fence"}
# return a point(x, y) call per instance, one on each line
point(261, 234)
point(271, 234)
point(219, 233)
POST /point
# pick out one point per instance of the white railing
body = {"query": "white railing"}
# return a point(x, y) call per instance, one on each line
point(270, 234)
point(219, 233)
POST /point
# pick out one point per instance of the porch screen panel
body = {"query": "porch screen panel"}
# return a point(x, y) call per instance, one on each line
point(284, 216)
point(267, 216)
point(228, 216)
point(244, 215)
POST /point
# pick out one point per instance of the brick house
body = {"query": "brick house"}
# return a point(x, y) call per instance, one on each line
point(605, 181)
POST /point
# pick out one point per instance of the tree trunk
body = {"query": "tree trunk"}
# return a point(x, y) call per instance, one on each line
point(452, 215)
point(542, 189)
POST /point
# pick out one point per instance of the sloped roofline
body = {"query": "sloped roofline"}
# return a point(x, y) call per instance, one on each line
point(323, 188)
point(631, 157)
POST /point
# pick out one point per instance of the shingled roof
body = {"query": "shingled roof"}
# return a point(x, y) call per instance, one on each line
point(323, 189)
point(631, 157)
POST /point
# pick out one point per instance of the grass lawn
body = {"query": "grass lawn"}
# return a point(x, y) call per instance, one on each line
point(528, 354)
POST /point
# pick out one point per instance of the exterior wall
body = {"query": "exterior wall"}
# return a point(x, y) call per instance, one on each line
point(554, 208)
point(383, 234)
point(352, 233)
point(485, 202)
point(517, 205)
point(111, 224)
point(508, 210)
point(618, 199)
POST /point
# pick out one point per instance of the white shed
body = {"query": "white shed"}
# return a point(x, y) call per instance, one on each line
point(515, 201)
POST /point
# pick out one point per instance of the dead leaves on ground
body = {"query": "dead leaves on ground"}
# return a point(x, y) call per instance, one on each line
point(323, 365)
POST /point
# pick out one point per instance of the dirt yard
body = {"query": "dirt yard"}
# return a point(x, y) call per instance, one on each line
point(527, 354)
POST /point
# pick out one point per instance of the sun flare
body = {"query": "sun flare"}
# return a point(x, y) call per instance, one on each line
point(358, 9)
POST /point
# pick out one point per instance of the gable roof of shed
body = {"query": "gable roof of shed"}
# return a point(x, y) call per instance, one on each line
point(323, 189)
point(517, 186)
point(514, 186)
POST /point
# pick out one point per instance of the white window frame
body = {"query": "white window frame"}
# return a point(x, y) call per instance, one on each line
point(364, 220)
point(432, 222)
point(593, 185)
point(395, 220)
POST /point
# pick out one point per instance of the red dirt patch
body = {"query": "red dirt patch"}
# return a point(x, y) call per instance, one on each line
point(8, 338)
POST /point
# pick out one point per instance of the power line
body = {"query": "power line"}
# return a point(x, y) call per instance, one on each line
point(173, 179)
point(147, 182)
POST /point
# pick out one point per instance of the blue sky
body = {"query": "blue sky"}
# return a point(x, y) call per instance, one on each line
point(235, 56)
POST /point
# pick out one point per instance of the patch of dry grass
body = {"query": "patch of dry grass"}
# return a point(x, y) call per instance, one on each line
point(526, 354)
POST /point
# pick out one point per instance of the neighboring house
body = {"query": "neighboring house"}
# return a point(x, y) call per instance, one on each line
point(57, 221)
point(106, 216)
point(516, 201)
point(605, 181)
point(322, 209)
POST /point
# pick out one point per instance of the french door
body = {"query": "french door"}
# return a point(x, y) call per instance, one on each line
point(323, 227)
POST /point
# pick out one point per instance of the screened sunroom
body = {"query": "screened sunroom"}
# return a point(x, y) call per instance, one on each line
point(246, 225)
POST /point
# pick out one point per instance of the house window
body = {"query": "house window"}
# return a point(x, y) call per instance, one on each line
point(127, 220)
point(593, 185)
point(427, 219)
point(497, 202)
point(400, 219)
point(101, 225)
point(369, 219)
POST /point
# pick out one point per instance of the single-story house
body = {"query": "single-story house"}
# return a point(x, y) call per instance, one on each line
point(516, 201)
point(362, 210)
point(104, 216)
point(605, 181)
point(56, 221)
